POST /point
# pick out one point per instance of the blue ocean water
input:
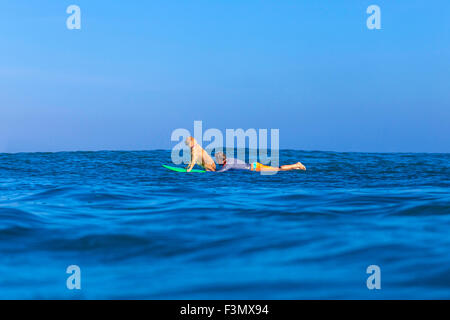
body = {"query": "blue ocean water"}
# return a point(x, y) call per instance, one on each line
point(138, 230)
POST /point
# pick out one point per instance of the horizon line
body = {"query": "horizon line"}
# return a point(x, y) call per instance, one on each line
point(281, 149)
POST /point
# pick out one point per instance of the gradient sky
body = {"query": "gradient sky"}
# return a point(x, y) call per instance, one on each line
point(137, 70)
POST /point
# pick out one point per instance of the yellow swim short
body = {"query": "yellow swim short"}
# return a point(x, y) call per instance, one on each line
point(256, 166)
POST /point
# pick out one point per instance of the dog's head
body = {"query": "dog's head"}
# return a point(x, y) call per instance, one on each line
point(190, 141)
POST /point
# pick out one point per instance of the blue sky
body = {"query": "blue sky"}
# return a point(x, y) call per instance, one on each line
point(137, 70)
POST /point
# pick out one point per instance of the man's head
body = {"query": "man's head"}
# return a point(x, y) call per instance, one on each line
point(190, 141)
point(220, 157)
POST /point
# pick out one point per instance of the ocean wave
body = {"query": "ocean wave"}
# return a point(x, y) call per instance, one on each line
point(127, 221)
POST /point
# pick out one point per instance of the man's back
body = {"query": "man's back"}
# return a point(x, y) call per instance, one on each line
point(236, 164)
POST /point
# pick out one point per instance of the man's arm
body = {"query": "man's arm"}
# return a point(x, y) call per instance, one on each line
point(224, 168)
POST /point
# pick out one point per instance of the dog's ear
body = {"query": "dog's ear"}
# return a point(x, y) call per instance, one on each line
point(191, 142)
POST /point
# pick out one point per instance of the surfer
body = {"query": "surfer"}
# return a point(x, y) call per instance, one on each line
point(232, 163)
